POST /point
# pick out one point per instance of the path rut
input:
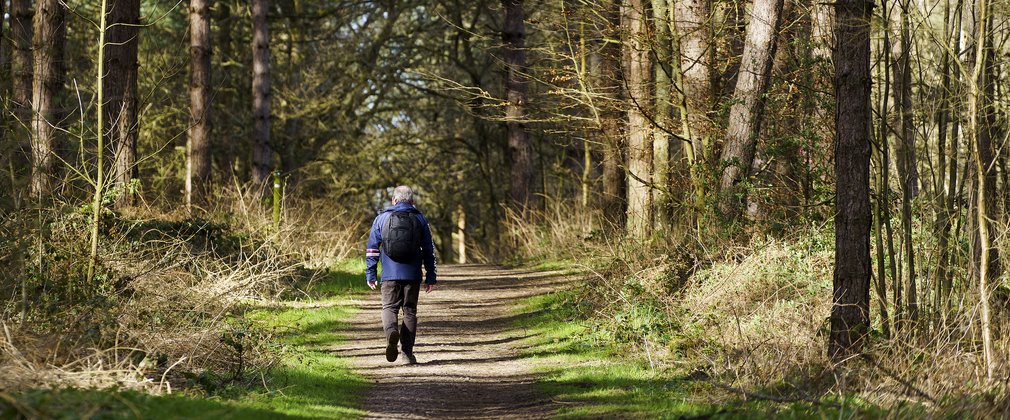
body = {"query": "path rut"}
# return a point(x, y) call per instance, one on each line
point(469, 362)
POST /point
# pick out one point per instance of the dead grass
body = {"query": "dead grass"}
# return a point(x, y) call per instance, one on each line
point(755, 318)
point(762, 314)
point(165, 309)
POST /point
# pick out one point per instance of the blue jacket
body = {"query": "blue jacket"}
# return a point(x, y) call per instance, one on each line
point(396, 271)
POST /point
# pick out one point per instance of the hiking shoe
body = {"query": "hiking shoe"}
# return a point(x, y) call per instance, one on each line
point(391, 341)
point(411, 360)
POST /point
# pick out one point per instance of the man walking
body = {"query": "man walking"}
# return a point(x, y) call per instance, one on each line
point(401, 239)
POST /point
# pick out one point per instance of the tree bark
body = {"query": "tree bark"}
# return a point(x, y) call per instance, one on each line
point(851, 297)
point(639, 138)
point(460, 234)
point(908, 173)
point(521, 153)
point(49, 40)
point(662, 148)
point(697, 88)
point(229, 154)
point(120, 87)
point(945, 184)
point(606, 81)
point(198, 163)
point(981, 121)
point(21, 62)
point(748, 103)
point(261, 91)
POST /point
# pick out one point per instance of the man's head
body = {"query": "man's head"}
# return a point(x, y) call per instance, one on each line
point(403, 194)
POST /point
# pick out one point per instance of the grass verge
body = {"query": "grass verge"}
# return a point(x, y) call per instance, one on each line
point(592, 375)
point(307, 382)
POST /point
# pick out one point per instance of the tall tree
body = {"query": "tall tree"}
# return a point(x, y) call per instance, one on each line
point(47, 86)
point(696, 82)
point(21, 60)
point(946, 196)
point(516, 95)
point(606, 80)
point(198, 163)
point(120, 87)
point(850, 317)
point(748, 102)
point(908, 173)
point(981, 121)
point(261, 91)
point(639, 137)
point(662, 148)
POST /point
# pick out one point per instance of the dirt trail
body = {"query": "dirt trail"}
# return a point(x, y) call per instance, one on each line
point(468, 361)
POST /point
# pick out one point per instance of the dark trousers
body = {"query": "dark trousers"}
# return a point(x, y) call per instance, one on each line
point(396, 295)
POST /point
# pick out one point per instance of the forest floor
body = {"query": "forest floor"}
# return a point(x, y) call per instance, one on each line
point(470, 364)
point(492, 342)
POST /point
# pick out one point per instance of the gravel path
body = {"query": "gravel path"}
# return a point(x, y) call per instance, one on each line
point(468, 361)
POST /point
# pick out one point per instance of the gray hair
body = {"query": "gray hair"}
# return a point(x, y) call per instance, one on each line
point(403, 194)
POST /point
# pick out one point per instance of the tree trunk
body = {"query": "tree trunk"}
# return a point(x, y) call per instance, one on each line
point(945, 185)
point(47, 87)
point(695, 65)
point(748, 103)
point(980, 123)
point(460, 233)
point(521, 154)
point(851, 297)
point(198, 164)
point(21, 64)
point(228, 155)
point(606, 81)
point(907, 169)
point(261, 91)
point(662, 148)
point(120, 87)
point(639, 139)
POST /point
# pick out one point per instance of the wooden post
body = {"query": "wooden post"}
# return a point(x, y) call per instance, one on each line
point(277, 200)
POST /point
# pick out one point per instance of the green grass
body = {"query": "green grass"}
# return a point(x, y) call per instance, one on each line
point(309, 381)
point(592, 376)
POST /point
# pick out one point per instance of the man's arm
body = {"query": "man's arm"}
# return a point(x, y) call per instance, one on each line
point(428, 253)
point(372, 253)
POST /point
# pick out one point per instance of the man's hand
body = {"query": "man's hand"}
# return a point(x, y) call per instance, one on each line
point(428, 287)
point(371, 284)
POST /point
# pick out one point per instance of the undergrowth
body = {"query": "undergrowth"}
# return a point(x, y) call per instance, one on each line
point(304, 380)
point(749, 322)
point(168, 311)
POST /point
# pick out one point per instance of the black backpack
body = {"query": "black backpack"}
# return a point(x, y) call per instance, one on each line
point(401, 236)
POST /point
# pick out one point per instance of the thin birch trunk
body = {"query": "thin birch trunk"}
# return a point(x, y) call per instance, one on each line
point(748, 104)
